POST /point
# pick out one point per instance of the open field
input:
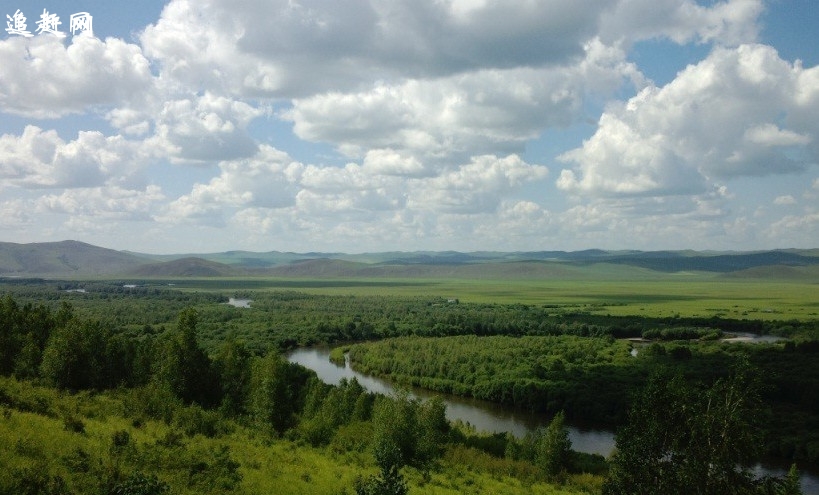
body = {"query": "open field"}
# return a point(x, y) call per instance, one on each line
point(696, 295)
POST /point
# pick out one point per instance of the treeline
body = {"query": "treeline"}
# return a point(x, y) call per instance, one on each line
point(286, 319)
point(593, 379)
point(588, 378)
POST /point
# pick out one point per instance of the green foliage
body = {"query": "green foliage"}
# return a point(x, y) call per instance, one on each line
point(24, 331)
point(118, 453)
point(553, 448)
point(140, 484)
point(328, 408)
point(184, 366)
point(681, 438)
point(584, 376)
point(154, 400)
point(408, 430)
point(549, 449)
point(232, 366)
point(193, 420)
point(390, 458)
point(276, 393)
point(75, 358)
point(389, 482)
point(790, 485)
point(542, 357)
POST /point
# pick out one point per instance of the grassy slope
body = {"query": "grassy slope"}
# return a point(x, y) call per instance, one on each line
point(38, 444)
point(186, 267)
point(66, 258)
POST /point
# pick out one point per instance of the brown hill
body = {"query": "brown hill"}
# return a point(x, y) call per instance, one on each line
point(186, 267)
point(63, 259)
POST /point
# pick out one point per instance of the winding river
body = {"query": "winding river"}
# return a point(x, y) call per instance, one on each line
point(495, 418)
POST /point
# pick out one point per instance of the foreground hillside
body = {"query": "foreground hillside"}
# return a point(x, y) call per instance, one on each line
point(88, 444)
point(86, 411)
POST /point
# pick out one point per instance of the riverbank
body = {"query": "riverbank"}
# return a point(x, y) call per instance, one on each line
point(494, 418)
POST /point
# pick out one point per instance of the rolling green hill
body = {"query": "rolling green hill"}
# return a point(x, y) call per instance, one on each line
point(73, 259)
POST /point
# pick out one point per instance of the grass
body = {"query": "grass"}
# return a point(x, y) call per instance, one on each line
point(684, 294)
point(692, 295)
point(39, 448)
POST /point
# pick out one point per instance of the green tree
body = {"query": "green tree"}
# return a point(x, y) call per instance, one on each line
point(684, 439)
point(74, 357)
point(10, 334)
point(395, 425)
point(328, 408)
point(232, 365)
point(553, 447)
point(185, 367)
point(415, 430)
point(389, 481)
point(24, 331)
point(276, 392)
point(433, 430)
point(790, 484)
point(27, 363)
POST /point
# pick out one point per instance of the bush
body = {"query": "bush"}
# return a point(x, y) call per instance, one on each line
point(193, 420)
point(140, 484)
point(74, 424)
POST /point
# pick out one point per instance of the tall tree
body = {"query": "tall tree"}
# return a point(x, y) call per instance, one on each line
point(685, 439)
point(232, 365)
point(553, 447)
point(74, 357)
point(185, 367)
point(276, 392)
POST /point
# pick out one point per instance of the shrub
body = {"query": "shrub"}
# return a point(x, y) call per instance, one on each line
point(140, 484)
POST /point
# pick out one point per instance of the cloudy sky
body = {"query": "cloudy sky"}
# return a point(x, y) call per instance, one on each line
point(374, 125)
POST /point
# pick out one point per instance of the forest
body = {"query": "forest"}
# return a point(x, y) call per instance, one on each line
point(169, 390)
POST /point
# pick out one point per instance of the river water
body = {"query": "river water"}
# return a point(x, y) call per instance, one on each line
point(494, 418)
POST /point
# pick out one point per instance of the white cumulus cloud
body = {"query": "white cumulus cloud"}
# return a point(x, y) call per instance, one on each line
point(45, 77)
point(739, 113)
point(41, 159)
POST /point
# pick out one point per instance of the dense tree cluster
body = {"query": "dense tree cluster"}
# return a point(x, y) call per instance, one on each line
point(684, 438)
point(585, 377)
point(592, 379)
point(288, 319)
point(170, 377)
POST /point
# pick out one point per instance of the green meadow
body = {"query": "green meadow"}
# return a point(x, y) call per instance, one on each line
point(686, 295)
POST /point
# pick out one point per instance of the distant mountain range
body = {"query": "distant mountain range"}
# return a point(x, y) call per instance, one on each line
point(73, 259)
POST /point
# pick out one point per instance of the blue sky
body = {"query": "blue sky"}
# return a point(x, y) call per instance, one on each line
point(362, 125)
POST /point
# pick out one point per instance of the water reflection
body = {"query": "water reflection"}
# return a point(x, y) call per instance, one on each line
point(494, 418)
point(482, 415)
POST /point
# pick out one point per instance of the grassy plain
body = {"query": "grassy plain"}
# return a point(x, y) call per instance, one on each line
point(685, 294)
